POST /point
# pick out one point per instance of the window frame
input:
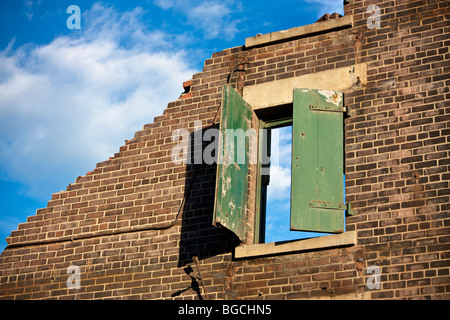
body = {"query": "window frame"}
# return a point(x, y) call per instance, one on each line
point(266, 119)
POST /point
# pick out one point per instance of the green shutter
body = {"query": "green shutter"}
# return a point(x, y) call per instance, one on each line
point(317, 201)
point(233, 160)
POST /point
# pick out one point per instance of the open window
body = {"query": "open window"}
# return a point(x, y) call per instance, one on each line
point(317, 163)
point(273, 218)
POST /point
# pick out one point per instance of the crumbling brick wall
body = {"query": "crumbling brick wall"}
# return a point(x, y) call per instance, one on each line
point(135, 225)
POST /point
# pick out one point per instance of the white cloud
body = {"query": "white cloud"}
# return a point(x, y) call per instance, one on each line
point(281, 147)
point(164, 4)
point(280, 183)
point(69, 104)
point(217, 19)
point(280, 165)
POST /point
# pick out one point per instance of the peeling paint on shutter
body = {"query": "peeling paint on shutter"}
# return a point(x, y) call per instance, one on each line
point(317, 202)
point(232, 168)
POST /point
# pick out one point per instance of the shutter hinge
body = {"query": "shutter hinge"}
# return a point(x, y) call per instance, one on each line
point(333, 206)
point(328, 108)
point(327, 205)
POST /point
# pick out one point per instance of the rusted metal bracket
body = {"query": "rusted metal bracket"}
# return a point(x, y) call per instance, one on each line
point(199, 278)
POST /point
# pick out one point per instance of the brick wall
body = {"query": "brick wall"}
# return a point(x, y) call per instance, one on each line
point(135, 224)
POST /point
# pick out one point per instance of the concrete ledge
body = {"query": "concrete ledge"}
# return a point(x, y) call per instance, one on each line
point(264, 249)
point(299, 31)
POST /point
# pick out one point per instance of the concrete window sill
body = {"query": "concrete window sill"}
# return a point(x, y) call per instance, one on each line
point(275, 248)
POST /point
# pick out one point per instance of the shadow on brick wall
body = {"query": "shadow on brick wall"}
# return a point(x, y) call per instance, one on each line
point(199, 238)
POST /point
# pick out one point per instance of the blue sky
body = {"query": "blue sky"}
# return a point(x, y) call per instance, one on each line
point(69, 98)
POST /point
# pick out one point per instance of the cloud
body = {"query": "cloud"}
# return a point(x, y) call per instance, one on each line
point(71, 103)
point(280, 183)
point(216, 19)
point(281, 147)
point(164, 4)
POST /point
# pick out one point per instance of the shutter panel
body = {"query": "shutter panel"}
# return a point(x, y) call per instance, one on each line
point(317, 200)
point(232, 165)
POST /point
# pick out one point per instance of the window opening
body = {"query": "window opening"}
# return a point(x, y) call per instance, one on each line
point(276, 188)
point(317, 200)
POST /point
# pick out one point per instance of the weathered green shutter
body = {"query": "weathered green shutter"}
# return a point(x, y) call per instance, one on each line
point(317, 201)
point(232, 167)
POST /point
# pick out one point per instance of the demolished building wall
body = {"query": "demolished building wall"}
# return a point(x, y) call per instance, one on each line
point(139, 226)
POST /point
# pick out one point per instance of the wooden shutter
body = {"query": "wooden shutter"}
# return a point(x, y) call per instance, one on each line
point(317, 200)
point(232, 172)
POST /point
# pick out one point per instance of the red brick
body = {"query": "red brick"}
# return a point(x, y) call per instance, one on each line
point(395, 128)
